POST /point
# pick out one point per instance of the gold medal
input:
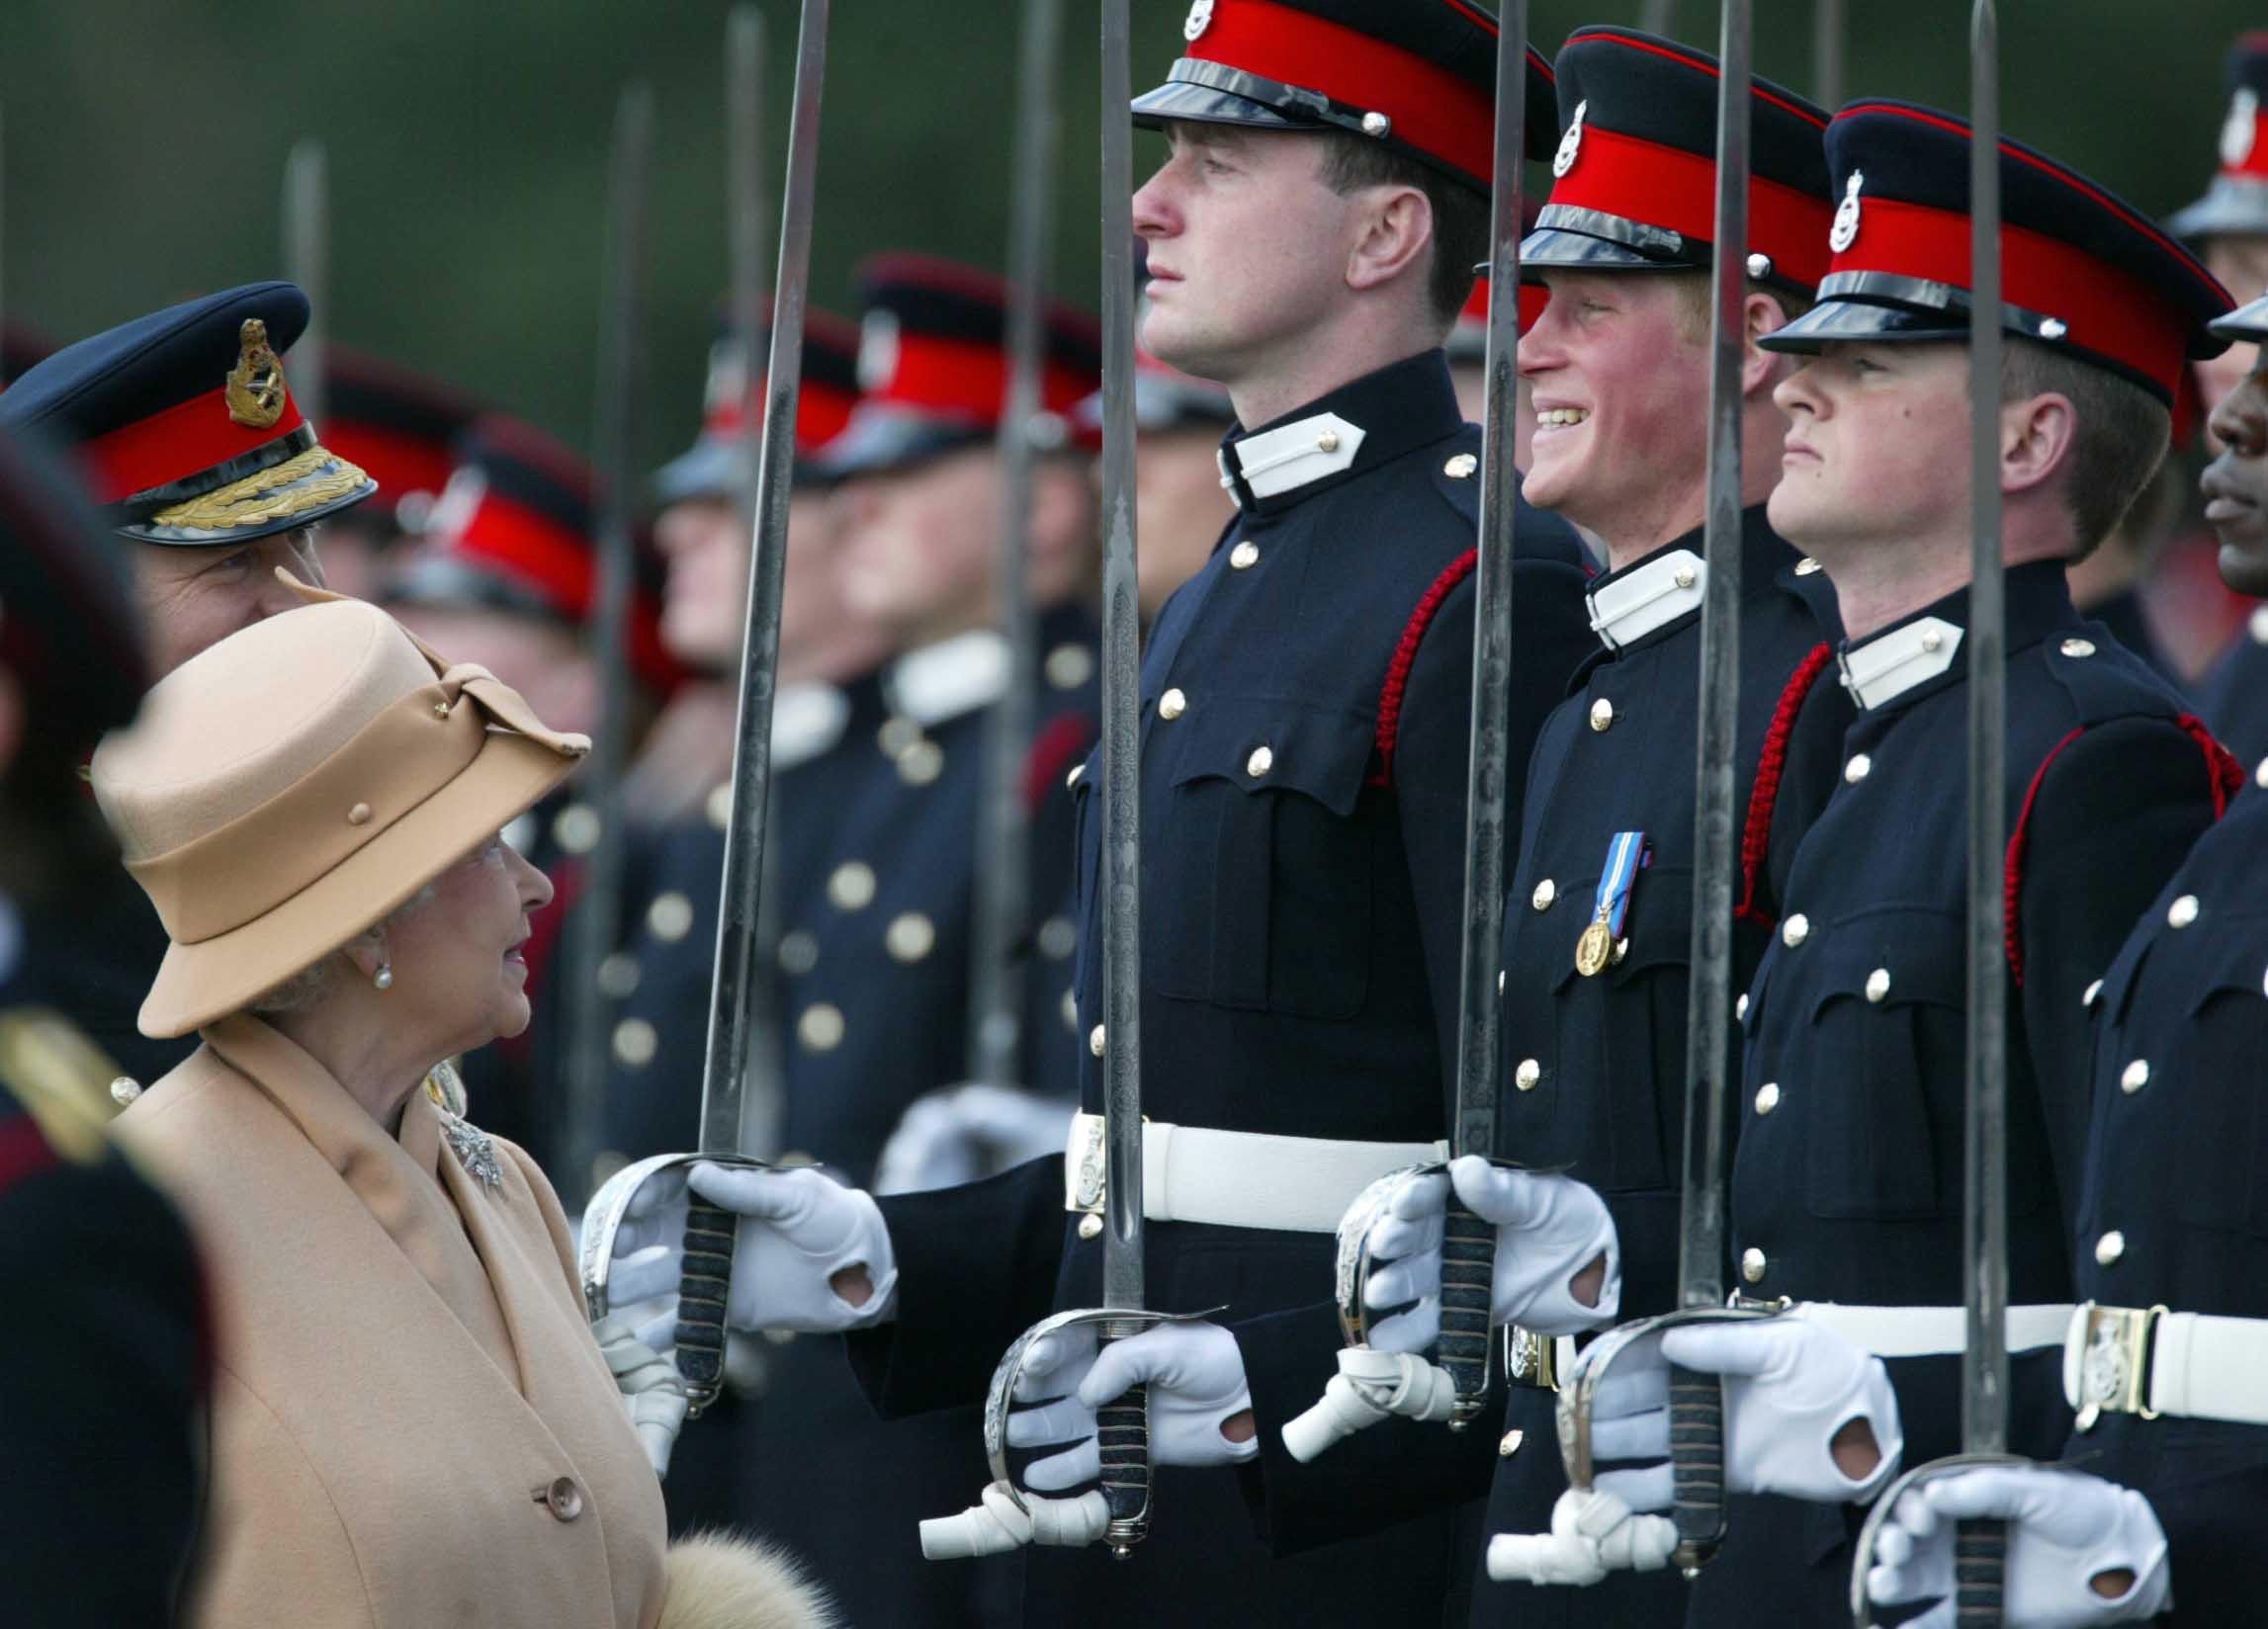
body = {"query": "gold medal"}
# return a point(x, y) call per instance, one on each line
point(1593, 950)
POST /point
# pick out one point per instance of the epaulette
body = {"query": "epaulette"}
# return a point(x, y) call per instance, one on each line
point(1764, 793)
point(1406, 656)
point(63, 1079)
point(2104, 679)
point(1455, 474)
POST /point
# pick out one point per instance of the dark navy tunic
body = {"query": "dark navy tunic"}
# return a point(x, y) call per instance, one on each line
point(1303, 869)
point(1595, 1067)
point(2234, 695)
point(1847, 1177)
point(2174, 1207)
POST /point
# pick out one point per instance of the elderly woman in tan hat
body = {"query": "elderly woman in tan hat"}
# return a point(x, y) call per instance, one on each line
point(413, 1424)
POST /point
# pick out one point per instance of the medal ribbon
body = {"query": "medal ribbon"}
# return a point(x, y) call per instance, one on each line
point(1623, 855)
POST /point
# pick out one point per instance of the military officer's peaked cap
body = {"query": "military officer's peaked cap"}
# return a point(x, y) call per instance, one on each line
point(825, 391)
point(1634, 175)
point(2081, 272)
point(398, 424)
point(933, 364)
point(1419, 75)
point(69, 631)
point(2238, 200)
point(2246, 322)
point(184, 425)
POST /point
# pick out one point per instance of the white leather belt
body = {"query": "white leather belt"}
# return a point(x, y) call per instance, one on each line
point(2151, 1362)
point(1237, 1178)
point(1931, 1331)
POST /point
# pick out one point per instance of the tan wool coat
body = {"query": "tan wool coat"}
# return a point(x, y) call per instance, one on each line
point(411, 1424)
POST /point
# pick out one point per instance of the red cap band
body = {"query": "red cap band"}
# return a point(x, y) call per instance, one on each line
point(554, 564)
point(2105, 310)
point(188, 437)
point(968, 379)
point(1432, 109)
point(820, 412)
point(1671, 188)
point(399, 463)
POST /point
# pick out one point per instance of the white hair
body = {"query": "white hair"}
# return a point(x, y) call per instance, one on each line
point(312, 984)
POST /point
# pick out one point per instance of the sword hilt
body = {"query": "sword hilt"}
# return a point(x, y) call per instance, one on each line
point(1979, 1572)
point(1697, 1466)
point(1468, 1280)
point(1122, 1439)
point(704, 1284)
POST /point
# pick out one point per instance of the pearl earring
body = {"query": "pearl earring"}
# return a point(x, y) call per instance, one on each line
point(383, 977)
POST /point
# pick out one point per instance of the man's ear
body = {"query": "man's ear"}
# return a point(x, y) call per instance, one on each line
point(2037, 439)
point(1396, 227)
point(1761, 370)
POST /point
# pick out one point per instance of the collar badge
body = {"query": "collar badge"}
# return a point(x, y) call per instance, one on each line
point(1571, 143)
point(1846, 229)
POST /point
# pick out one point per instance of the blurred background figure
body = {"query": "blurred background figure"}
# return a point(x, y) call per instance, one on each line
point(183, 425)
point(401, 427)
point(108, 1369)
point(21, 350)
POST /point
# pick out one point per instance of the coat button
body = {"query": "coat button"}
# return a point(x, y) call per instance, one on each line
point(2110, 1247)
point(1684, 577)
point(577, 829)
point(125, 1089)
point(1058, 937)
point(2260, 773)
point(718, 806)
point(1740, 1008)
point(1090, 1226)
point(1795, 930)
point(1805, 566)
point(1327, 442)
point(1173, 704)
point(2094, 990)
point(2134, 1076)
point(1508, 1445)
point(1260, 764)
point(1602, 714)
point(799, 952)
point(1545, 892)
point(1528, 1075)
point(922, 763)
point(1460, 467)
point(1859, 768)
point(1767, 1097)
point(2259, 625)
point(1877, 984)
point(851, 886)
point(562, 1498)
point(2182, 911)
point(1069, 667)
point(618, 977)
point(1077, 770)
point(910, 936)
point(636, 1042)
point(895, 735)
point(1500, 981)
point(2078, 648)
point(821, 1027)
point(1932, 641)
point(1752, 1265)
point(1244, 557)
point(670, 917)
point(1094, 1040)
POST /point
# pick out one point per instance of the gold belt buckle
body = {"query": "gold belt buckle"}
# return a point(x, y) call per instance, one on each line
point(1531, 1359)
point(2114, 1366)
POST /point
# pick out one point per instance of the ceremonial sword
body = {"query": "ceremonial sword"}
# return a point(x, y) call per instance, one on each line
point(709, 1229)
point(307, 263)
point(598, 903)
point(1979, 1544)
point(1697, 1401)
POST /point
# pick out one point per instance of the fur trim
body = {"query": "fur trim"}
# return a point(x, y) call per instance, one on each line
point(721, 1582)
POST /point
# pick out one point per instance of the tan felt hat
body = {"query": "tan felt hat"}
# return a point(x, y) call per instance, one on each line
point(285, 789)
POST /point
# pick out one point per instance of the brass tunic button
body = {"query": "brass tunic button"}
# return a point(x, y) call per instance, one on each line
point(125, 1089)
point(1069, 667)
point(851, 886)
point(670, 917)
point(1752, 1265)
point(1805, 566)
point(2110, 1247)
point(920, 763)
point(1740, 1008)
point(1094, 1040)
point(2094, 990)
point(577, 829)
point(1327, 442)
point(2260, 774)
point(799, 952)
point(2078, 648)
point(1173, 704)
point(1077, 770)
point(1684, 576)
point(1932, 641)
point(1244, 557)
point(2182, 911)
point(821, 1027)
point(1602, 714)
point(2134, 1076)
point(1090, 1226)
point(1460, 467)
point(1545, 892)
point(1859, 768)
point(636, 1042)
point(895, 735)
point(1500, 981)
point(1058, 937)
point(1767, 1097)
point(1795, 930)
point(618, 976)
point(1528, 1075)
point(1509, 1445)
point(720, 805)
point(562, 1498)
point(1877, 984)
point(1260, 764)
point(910, 936)
point(2259, 625)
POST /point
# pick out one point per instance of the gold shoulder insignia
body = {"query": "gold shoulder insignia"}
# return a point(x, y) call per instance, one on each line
point(62, 1079)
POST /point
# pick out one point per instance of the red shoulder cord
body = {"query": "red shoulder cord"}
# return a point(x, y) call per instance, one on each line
point(1406, 656)
point(1756, 835)
point(1062, 740)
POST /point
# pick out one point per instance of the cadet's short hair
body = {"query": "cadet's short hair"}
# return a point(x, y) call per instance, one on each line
point(1461, 215)
point(2120, 440)
point(1694, 303)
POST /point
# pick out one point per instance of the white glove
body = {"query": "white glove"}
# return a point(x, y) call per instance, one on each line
point(1369, 1386)
point(651, 1389)
point(995, 1525)
point(1548, 1230)
point(1789, 1388)
point(1197, 1380)
point(1593, 1533)
point(2066, 1530)
point(966, 1132)
point(798, 1229)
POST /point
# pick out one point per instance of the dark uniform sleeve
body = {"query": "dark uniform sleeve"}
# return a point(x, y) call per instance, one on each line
point(2109, 820)
point(977, 1266)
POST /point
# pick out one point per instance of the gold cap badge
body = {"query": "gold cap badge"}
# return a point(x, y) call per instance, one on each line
point(255, 390)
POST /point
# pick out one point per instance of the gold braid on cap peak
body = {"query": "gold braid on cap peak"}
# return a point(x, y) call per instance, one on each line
point(305, 480)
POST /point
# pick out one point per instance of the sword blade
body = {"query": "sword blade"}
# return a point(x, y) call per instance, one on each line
point(1984, 1164)
point(1701, 1204)
point(996, 991)
point(607, 637)
point(1122, 1286)
point(306, 261)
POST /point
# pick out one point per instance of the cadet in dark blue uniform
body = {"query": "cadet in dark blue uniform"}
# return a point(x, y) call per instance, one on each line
point(107, 1363)
point(188, 436)
point(1846, 1184)
point(404, 428)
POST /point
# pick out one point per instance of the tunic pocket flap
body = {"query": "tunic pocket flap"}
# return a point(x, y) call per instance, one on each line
point(1891, 959)
point(1269, 746)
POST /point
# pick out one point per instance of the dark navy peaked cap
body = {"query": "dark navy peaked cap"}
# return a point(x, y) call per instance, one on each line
point(183, 424)
point(2238, 200)
point(2081, 270)
point(1419, 75)
point(1634, 183)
